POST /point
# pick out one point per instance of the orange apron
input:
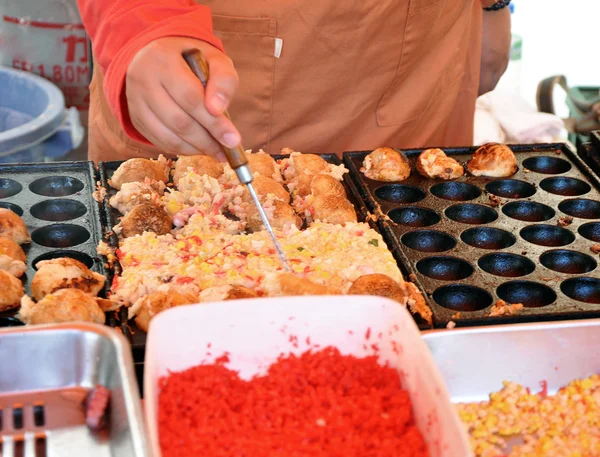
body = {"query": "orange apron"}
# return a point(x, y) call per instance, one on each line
point(332, 76)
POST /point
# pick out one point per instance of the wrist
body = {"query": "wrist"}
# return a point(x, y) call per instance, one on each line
point(494, 5)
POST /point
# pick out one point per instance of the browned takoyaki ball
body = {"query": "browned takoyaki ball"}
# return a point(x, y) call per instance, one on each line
point(12, 257)
point(64, 273)
point(201, 164)
point(157, 302)
point(493, 160)
point(435, 164)
point(137, 170)
point(279, 214)
point(380, 285)
point(386, 164)
point(64, 305)
point(146, 217)
point(13, 227)
point(11, 291)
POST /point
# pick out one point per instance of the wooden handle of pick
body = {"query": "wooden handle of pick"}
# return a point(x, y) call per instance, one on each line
point(197, 63)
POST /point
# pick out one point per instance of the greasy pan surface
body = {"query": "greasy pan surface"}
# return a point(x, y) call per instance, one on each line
point(137, 337)
point(55, 201)
point(475, 240)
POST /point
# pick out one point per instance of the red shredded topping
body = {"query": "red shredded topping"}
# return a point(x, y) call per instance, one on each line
point(223, 359)
point(544, 391)
point(134, 262)
point(196, 239)
point(218, 253)
point(318, 404)
point(218, 203)
point(184, 280)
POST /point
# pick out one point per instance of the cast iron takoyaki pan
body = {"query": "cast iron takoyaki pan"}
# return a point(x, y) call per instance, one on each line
point(55, 200)
point(527, 239)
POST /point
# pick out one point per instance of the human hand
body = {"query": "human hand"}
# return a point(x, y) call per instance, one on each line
point(495, 48)
point(168, 104)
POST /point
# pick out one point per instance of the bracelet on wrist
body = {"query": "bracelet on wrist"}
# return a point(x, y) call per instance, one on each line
point(500, 4)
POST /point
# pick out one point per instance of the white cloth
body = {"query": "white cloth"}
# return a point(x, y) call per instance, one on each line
point(503, 116)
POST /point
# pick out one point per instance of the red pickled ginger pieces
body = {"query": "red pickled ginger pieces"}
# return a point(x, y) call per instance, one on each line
point(317, 404)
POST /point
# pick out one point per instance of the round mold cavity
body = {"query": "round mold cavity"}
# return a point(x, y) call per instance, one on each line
point(9, 188)
point(445, 268)
point(460, 297)
point(83, 258)
point(528, 211)
point(547, 165)
point(582, 289)
point(506, 265)
point(591, 231)
point(547, 235)
point(429, 241)
point(488, 238)
point(470, 213)
point(56, 186)
point(400, 193)
point(413, 216)
point(568, 187)
point(529, 293)
point(58, 210)
point(566, 261)
point(510, 188)
point(456, 191)
point(60, 235)
point(581, 207)
point(11, 206)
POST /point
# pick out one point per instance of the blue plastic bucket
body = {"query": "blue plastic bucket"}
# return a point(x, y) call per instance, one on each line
point(32, 109)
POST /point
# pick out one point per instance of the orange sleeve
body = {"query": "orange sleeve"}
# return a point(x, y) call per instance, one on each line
point(120, 28)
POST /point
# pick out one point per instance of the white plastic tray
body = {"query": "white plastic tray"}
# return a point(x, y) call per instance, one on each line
point(255, 332)
point(475, 361)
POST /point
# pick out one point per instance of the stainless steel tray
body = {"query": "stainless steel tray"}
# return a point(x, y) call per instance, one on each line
point(46, 371)
point(475, 361)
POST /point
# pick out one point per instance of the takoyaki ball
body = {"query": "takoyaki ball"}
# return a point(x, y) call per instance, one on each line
point(13, 227)
point(64, 305)
point(280, 214)
point(201, 164)
point(146, 217)
point(386, 164)
point(138, 169)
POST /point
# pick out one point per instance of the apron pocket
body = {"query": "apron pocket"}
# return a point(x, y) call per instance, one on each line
point(250, 43)
point(430, 62)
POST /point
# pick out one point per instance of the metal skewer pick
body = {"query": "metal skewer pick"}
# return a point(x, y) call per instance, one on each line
point(235, 156)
